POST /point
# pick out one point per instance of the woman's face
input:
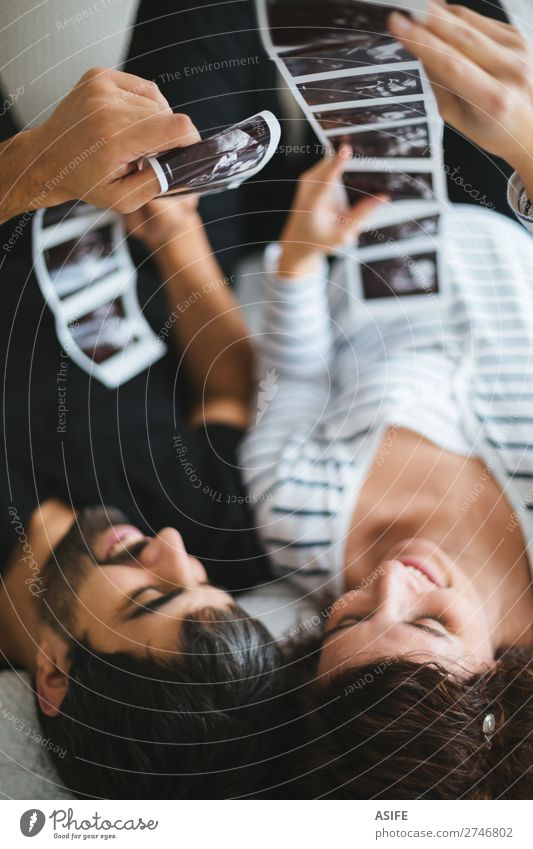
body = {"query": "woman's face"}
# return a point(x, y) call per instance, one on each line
point(419, 605)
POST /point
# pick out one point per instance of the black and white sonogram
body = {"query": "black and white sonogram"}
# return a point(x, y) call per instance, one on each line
point(361, 87)
point(100, 332)
point(340, 57)
point(220, 162)
point(299, 23)
point(397, 185)
point(400, 276)
point(355, 116)
point(408, 229)
point(409, 141)
point(358, 86)
point(78, 263)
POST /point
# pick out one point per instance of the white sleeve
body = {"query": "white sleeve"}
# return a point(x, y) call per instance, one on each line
point(294, 350)
point(283, 458)
point(519, 201)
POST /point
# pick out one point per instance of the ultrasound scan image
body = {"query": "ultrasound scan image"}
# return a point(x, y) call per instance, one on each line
point(397, 185)
point(407, 141)
point(98, 333)
point(361, 87)
point(308, 22)
point(218, 160)
point(338, 57)
point(400, 276)
point(354, 116)
point(410, 229)
point(79, 262)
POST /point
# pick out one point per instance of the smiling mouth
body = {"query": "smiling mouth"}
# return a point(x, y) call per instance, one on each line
point(422, 568)
point(120, 538)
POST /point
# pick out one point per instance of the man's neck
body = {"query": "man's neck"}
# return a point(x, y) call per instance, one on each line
point(22, 584)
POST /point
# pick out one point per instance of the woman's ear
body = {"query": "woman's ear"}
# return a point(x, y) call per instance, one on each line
point(52, 674)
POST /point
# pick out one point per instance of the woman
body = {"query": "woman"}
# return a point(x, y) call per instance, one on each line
point(392, 465)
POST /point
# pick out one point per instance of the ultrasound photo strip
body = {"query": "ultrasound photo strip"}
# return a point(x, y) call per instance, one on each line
point(356, 84)
point(88, 280)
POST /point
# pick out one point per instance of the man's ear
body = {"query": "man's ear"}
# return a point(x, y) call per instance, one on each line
point(52, 674)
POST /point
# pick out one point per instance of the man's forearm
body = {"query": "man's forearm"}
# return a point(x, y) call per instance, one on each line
point(206, 318)
point(21, 186)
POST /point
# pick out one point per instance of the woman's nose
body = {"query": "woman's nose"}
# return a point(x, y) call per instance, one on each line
point(395, 589)
point(167, 558)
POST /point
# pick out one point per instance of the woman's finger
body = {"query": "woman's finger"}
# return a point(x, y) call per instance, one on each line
point(444, 64)
point(362, 210)
point(466, 37)
point(501, 32)
point(326, 173)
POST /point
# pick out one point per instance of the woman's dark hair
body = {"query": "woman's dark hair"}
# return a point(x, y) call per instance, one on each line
point(401, 730)
point(201, 726)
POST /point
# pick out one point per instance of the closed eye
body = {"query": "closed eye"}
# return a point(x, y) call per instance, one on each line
point(155, 604)
point(346, 622)
point(349, 621)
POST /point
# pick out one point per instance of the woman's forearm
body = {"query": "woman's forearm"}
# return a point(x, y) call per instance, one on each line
point(206, 318)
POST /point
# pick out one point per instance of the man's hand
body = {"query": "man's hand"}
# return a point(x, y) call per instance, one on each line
point(88, 147)
point(482, 76)
point(319, 221)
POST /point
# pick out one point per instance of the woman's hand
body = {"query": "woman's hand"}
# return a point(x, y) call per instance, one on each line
point(160, 221)
point(319, 221)
point(482, 75)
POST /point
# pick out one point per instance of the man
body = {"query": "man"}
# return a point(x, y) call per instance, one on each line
point(152, 677)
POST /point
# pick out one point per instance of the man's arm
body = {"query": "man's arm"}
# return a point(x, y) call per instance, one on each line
point(205, 317)
point(85, 149)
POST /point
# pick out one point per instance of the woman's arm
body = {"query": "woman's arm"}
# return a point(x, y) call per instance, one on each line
point(295, 349)
point(206, 319)
point(482, 75)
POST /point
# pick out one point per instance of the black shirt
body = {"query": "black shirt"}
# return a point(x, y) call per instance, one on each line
point(127, 447)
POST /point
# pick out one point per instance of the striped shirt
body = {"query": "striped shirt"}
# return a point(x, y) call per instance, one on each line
point(334, 376)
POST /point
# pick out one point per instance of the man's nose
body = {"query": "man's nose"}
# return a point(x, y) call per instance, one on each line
point(167, 558)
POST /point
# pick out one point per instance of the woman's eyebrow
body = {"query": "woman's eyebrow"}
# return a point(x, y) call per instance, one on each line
point(428, 630)
point(346, 622)
point(349, 621)
point(151, 606)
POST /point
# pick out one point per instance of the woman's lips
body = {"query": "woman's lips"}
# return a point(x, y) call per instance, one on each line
point(115, 535)
point(424, 568)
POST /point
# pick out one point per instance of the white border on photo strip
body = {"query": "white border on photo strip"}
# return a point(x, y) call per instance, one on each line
point(135, 356)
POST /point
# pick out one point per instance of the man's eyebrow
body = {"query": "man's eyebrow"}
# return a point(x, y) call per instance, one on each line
point(151, 606)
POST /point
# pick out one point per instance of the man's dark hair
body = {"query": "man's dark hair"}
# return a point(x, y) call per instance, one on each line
point(203, 725)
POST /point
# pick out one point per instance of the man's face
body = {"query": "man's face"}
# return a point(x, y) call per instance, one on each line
point(117, 590)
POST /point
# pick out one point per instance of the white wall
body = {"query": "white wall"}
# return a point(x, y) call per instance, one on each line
point(45, 47)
